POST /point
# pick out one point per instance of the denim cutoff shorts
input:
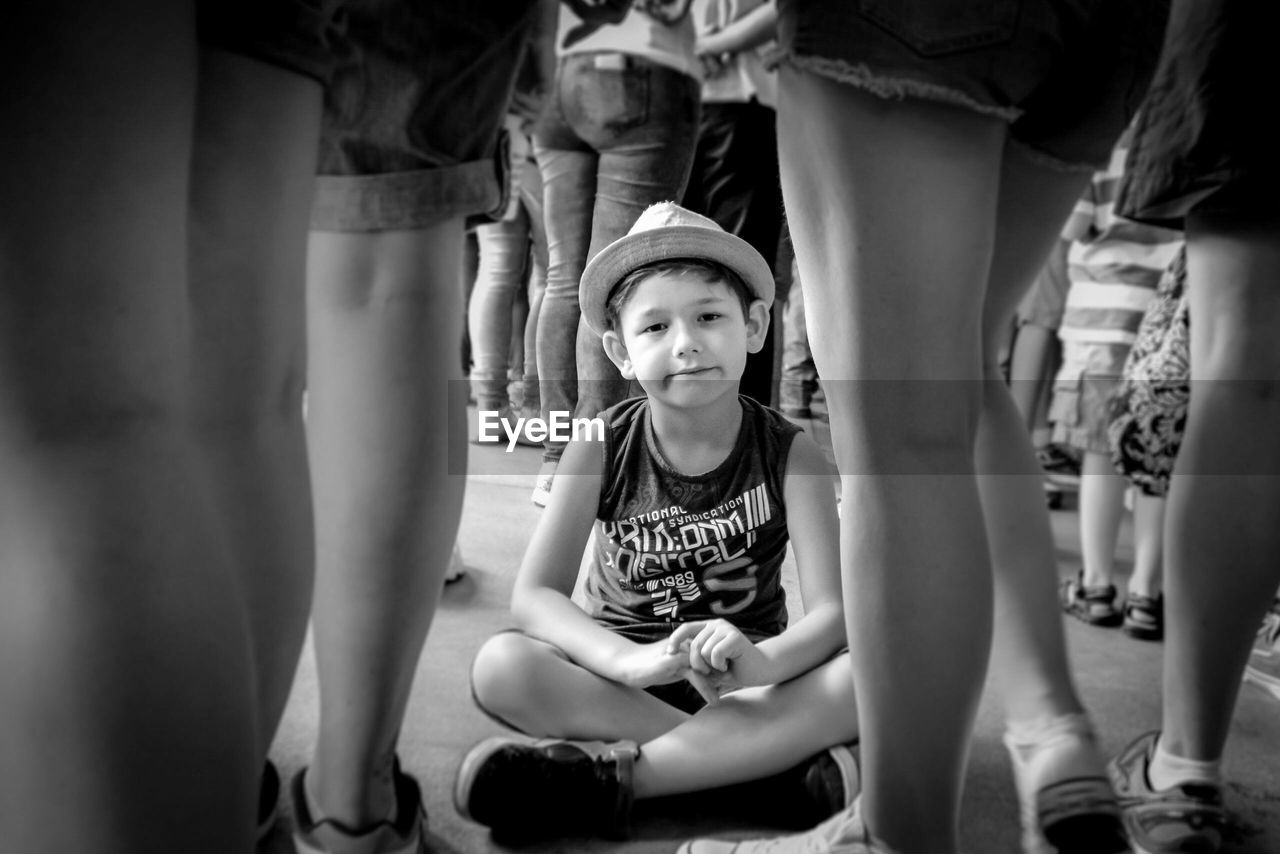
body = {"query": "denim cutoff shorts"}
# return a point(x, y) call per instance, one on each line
point(414, 110)
point(1068, 75)
point(296, 35)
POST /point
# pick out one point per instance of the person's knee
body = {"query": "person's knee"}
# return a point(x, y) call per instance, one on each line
point(501, 674)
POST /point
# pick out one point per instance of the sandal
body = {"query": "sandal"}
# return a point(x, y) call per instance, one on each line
point(1093, 605)
point(1144, 617)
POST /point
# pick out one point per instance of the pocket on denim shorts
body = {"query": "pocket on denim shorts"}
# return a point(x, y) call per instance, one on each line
point(940, 27)
point(613, 93)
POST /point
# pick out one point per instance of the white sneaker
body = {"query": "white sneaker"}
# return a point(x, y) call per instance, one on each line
point(542, 486)
point(1065, 800)
point(843, 833)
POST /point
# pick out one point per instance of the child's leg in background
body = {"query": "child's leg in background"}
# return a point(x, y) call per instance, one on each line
point(1101, 510)
point(128, 716)
point(531, 198)
point(504, 249)
point(253, 169)
point(384, 322)
point(1148, 544)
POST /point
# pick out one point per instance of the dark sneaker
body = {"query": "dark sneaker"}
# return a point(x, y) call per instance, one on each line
point(1094, 605)
point(315, 834)
point(526, 791)
point(1263, 669)
point(1144, 617)
point(831, 781)
point(1186, 819)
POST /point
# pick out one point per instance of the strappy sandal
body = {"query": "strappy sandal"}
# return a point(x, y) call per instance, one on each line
point(1093, 605)
point(1144, 617)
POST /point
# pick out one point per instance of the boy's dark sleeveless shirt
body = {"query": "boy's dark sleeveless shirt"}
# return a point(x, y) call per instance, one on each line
point(670, 547)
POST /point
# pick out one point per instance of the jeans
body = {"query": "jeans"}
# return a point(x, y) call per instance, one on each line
point(799, 374)
point(617, 137)
point(501, 351)
point(735, 182)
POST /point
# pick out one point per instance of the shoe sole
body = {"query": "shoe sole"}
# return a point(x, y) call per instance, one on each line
point(471, 763)
point(1141, 633)
point(850, 774)
point(301, 846)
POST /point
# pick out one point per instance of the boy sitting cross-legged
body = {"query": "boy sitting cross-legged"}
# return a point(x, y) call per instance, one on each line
point(679, 672)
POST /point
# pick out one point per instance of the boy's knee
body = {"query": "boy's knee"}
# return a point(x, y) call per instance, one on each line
point(500, 672)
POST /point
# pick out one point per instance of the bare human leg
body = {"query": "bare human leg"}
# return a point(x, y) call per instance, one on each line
point(122, 631)
point(384, 321)
point(253, 167)
point(897, 336)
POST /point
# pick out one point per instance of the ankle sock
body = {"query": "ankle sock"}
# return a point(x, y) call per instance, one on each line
point(1167, 770)
point(1054, 747)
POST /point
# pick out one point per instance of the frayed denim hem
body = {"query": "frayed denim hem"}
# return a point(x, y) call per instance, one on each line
point(899, 88)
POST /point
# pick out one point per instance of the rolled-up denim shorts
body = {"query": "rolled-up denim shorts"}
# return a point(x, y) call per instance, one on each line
point(296, 35)
point(1068, 75)
point(413, 112)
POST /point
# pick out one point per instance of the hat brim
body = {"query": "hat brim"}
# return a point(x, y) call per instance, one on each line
point(668, 243)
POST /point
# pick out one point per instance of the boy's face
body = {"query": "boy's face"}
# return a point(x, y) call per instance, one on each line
point(685, 339)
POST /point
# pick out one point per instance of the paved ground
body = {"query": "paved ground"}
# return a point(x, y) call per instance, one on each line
point(1118, 677)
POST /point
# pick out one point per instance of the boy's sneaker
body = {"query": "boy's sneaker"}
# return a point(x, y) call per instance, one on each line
point(1263, 669)
point(1094, 605)
point(1065, 801)
point(524, 791)
point(1144, 617)
point(402, 834)
point(843, 833)
point(1185, 819)
point(832, 781)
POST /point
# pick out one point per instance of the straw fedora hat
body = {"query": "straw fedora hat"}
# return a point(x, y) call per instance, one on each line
point(665, 232)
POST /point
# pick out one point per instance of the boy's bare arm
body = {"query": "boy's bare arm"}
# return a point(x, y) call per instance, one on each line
point(541, 601)
point(814, 529)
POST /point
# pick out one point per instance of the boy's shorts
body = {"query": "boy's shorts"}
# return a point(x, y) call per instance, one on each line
point(296, 35)
point(1081, 413)
point(1068, 75)
point(413, 112)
